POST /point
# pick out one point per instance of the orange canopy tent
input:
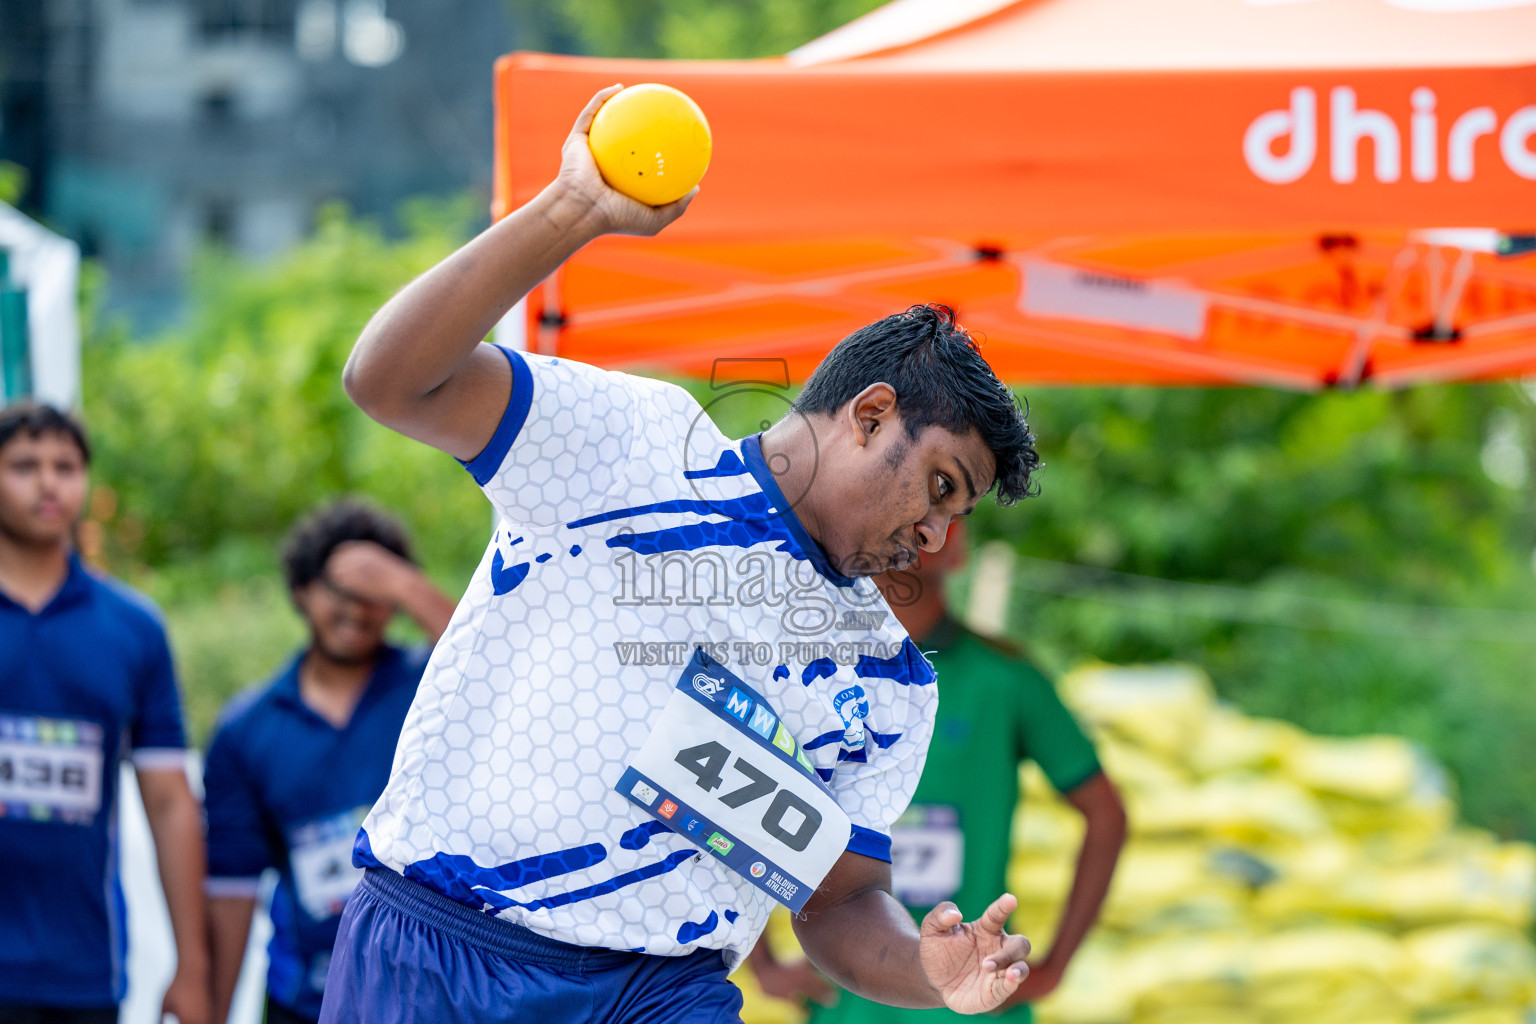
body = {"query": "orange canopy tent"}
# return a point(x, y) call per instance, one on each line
point(1296, 193)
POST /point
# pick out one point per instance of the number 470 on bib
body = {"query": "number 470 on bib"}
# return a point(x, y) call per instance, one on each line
point(788, 818)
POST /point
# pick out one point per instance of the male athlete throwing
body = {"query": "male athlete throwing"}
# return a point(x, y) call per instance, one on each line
point(671, 695)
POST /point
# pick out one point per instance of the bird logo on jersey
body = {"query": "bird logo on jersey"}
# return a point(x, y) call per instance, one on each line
point(852, 706)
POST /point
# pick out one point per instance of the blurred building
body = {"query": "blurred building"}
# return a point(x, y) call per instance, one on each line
point(150, 126)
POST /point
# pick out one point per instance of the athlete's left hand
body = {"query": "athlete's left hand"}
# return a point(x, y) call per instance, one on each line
point(188, 999)
point(974, 965)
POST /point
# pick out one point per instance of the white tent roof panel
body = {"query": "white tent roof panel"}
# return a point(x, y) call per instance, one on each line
point(1183, 35)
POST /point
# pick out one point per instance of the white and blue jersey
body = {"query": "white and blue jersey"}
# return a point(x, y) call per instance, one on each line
point(286, 789)
point(632, 538)
point(85, 683)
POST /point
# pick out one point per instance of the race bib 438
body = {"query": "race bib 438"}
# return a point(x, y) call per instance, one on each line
point(50, 769)
point(721, 769)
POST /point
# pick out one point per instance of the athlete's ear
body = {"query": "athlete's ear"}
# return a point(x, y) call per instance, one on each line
point(871, 409)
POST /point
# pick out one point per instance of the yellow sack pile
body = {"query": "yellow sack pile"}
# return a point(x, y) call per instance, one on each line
point(1272, 875)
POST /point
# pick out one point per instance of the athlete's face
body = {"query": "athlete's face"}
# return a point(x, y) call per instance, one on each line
point(345, 627)
point(42, 488)
point(935, 566)
point(924, 580)
point(887, 499)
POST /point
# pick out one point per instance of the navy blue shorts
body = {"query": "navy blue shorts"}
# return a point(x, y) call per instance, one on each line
point(405, 953)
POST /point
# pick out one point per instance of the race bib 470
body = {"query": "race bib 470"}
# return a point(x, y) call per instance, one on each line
point(50, 769)
point(721, 770)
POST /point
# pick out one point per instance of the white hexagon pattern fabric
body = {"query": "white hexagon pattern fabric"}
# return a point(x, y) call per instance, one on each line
point(631, 531)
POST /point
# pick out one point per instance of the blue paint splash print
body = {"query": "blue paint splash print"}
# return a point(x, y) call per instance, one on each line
point(688, 931)
point(460, 878)
point(822, 740)
point(907, 666)
point(505, 578)
point(730, 464)
point(757, 518)
point(497, 901)
point(821, 668)
point(749, 520)
point(639, 837)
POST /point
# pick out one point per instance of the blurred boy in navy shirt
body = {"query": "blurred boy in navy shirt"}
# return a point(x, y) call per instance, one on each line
point(297, 762)
point(85, 683)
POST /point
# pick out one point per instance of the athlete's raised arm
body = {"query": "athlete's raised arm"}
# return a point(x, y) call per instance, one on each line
point(863, 939)
point(419, 366)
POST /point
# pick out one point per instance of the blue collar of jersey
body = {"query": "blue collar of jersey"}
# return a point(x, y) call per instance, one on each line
point(752, 455)
point(75, 588)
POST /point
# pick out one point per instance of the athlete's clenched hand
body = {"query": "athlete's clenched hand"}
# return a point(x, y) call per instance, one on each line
point(975, 965)
point(188, 999)
point(580, 180)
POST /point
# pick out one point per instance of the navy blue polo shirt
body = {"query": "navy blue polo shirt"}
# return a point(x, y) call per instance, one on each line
point(285, 788)
point(84, 683)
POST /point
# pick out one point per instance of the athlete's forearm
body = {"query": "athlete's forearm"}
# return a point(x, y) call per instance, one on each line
point(421, 335)
point(176, 823)
point(229, 928)
point(868, 944)
point(419, 367)
point(427, 331)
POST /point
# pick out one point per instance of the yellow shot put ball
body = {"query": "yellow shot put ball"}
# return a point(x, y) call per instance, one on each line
point(651, 143)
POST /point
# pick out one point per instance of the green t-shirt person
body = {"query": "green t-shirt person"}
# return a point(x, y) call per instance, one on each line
point(995, 710)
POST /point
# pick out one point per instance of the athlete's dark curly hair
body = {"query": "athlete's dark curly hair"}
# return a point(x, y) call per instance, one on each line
point(940, 380)
point(321, 532)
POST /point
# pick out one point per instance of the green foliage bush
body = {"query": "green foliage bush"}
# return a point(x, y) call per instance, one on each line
point(680, 29)
point(215, 437)
point(241, 412)
point(1339, 554)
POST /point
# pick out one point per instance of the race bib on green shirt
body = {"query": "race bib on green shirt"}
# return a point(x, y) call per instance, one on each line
point(50, 769)
point(721, 769)
point(927, 855)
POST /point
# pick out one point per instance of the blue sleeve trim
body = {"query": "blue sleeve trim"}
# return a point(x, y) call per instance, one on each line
point(866, 842)
point(484, 466)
